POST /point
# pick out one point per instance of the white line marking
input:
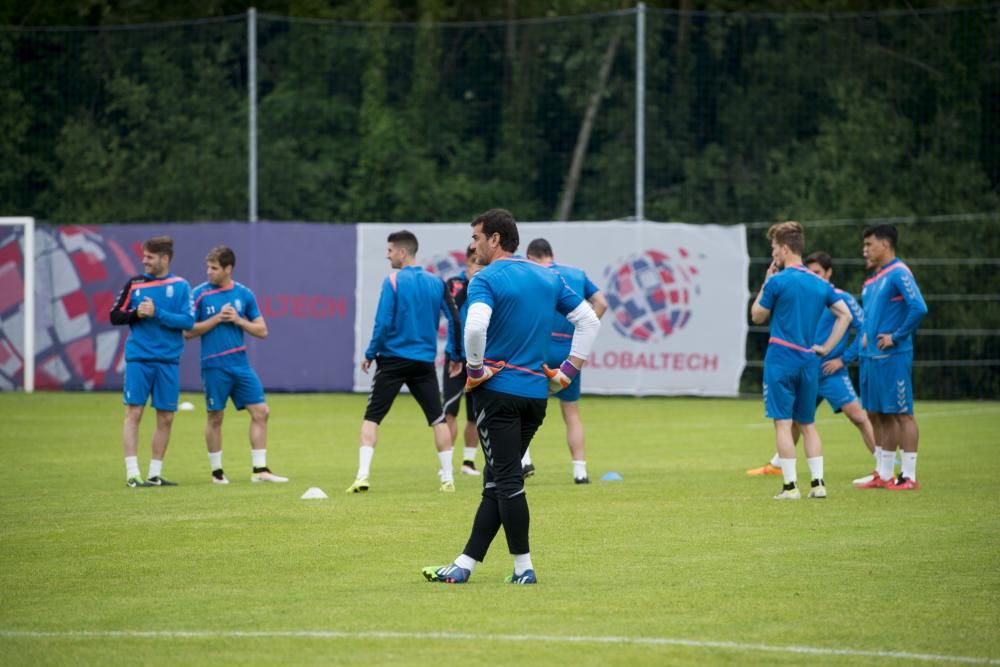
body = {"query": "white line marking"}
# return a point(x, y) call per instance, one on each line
point(449, 636)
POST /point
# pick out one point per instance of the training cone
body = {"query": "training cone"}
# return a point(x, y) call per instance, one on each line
point(314, 493)
point(186, 406)
point(611, 477)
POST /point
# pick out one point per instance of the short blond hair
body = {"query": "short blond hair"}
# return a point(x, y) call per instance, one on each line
point(788, 234)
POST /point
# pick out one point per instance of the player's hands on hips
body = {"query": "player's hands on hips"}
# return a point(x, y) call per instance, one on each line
point(477, 376)
point(454, 368)
point(832, 366)
point(147, 308)
point(365, 365)
point(885, 341)
point(820, 350)
point(562, 377)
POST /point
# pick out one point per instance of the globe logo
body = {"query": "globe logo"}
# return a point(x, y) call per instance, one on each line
point(78, 277)
point(650, 294)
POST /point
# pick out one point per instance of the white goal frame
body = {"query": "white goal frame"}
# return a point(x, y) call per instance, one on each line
point(29, 297)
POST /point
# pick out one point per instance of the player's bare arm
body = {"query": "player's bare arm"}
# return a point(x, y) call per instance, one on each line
point(843, 315)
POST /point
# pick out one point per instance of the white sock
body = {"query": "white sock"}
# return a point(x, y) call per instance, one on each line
point(878, 455)
point(467, 562)
point(526, 459)
point(469, 453)
point(909, 467)
point(155, 468)
point(365, 455)
point(131, 467)
point(816, 467)
point(776, 460)
point(259, 457)
point(522, 563)
point(886, 465)
point(446, 464)
point(215, 460)
point(579, 469)
point(788, 470)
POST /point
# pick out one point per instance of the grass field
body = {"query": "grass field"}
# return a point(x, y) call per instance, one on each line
point(685, 561)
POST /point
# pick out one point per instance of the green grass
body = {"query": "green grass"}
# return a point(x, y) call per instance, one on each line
point(685, 548)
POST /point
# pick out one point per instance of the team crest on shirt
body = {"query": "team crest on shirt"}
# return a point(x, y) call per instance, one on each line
point(239, 306)
point(170, 291)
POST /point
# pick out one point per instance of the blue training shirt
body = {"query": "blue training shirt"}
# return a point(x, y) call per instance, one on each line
point(562, 329)
point(458, 288)
point(223, 345)
point(893, 305)
point(406, 321)
point(158, 338)
point(825, 326)
point(523, 296)
point(796, 298)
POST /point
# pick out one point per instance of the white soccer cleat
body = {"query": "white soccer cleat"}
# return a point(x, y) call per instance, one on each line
point(861, 481)
point(266, 475)
point(789, 494)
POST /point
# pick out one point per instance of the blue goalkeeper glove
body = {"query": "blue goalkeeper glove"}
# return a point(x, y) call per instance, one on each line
point(562, 377)
point(476, 376)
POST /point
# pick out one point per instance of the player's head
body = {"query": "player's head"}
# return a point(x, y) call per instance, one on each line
point(219, 263)
point(156, 255)
point(787, 240)
point(820, 263)
point(471, 262)
point(879, 245)
point(540, 251)
point(401, 248)
point(494, 235)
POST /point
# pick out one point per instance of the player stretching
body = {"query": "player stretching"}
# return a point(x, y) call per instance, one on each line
point(453, 377)
point(506, 337)
point(404, 346)
point(540, 251)
point(157, 308)
point(894, 308)
point(835, 384)
point(224, 310)
point(796, 297)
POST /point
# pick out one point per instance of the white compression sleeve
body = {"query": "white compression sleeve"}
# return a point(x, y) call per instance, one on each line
point(587, 326)
point(477, 321)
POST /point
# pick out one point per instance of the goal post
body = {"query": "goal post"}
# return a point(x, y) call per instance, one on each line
point(28, 252)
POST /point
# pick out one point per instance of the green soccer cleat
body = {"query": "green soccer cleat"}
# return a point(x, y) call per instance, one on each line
point(136, 483)
point(360, 486)
point(448, 487)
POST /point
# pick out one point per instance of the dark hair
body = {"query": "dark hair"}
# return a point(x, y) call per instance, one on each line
point(883, 233)
point(788, 234)
point(221, 255)
point(159, 245)
point(539, 248)
point(404, 239)
point(821, 258)
point(470, 250)
point(500, 221)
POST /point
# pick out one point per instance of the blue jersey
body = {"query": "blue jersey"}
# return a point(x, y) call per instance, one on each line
point(522, 296)
point(893, 305)
point(409, 309)
point(157, 338)
point(796, 298)
point(825, 326)
point(458, 288)
point(562, 329)
point(223, 345)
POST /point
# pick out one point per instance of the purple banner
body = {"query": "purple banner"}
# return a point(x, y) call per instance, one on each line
point(302, 274)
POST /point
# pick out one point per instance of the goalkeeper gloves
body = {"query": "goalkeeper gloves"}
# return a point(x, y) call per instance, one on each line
point(562, 377)
point(477, 376)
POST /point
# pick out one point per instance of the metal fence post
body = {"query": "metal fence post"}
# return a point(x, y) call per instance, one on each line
point(640, 111)
point(252, 112)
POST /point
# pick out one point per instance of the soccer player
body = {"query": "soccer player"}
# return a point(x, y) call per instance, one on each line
point(835, 384)
point(157, 308)
point(453, 376)
point(540, 251)
point(894, 308)
point(404, 346)
point(506, 339)
point(224, 310)
point(796, 298)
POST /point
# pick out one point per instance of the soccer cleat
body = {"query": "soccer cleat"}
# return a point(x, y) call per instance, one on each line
point(764, 470)
point(136, 483)
point(903, 484)
point(817, 489)
point(265, 475)
point(447, 487)
point(447, 574)
point(469, 468)
point(581, 480)
point(219, 477)
point(528, 471)
point(526, 577)
point(875, 482)
point(867, 478)
point(789, 494)
point(360, 485)
point(159, 481)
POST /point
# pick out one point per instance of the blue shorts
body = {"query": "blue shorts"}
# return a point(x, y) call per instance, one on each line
point(790, 391)
point(239, 383)
point(887, 384)
point(837, 389)
point(143, 378)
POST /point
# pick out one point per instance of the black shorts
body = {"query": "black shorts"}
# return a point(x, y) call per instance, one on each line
point(453, 388)
point(391, 373)
point(506, 425)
